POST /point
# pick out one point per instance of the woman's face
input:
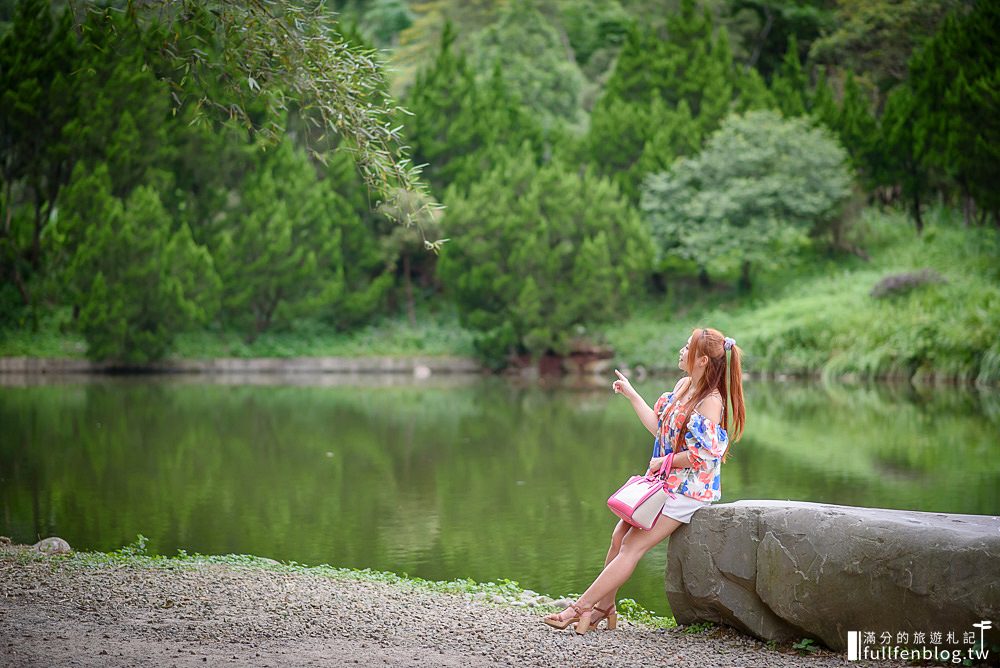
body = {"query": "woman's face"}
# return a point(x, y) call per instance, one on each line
point(682, 357)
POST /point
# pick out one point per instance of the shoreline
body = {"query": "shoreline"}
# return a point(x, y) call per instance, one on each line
point(126, 608)
point(417, 366)
point(383, 364)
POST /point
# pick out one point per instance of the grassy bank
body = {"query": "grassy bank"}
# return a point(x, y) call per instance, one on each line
point(823, 319)
point(436, 332)
point(817, 317)
point(504, 592)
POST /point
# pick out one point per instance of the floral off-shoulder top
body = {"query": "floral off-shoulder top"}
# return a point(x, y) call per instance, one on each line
point(706, 441)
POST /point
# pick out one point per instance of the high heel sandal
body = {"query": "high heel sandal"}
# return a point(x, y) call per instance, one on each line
point(561, 624)
point(611, 615)
point(584, 625)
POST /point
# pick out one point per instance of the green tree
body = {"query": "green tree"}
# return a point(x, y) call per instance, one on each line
point(790, 82)
point(751, 197)
point(123, 122)
point(653, 76)
point(459, 125)
point(955, 83)
point(620, 132)
point(539, 251)
point(822, 105)
point(138, 283)
point(37, 98)
point(385, 19)
point(278, 250)
point(903, 151)
point(857, 127)
point(534, 62)
point(230, 59)
point(876, 38)
point(752, 92)
point(593, 26)
point(761, 29)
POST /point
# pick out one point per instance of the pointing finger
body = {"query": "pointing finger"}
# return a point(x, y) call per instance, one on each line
point(619, 374)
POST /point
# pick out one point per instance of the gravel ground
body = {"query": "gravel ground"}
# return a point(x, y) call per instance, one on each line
point(54, 614)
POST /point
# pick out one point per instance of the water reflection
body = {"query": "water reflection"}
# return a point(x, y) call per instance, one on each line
point(449, 477)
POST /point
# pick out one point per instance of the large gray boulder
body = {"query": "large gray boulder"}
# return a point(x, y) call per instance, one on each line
point(786, 570)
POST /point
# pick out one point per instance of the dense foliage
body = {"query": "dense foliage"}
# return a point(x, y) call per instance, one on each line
point(175, 169)
point(546, 251)
point(752, 197)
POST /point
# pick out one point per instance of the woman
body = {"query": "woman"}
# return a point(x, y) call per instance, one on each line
point(693, 421)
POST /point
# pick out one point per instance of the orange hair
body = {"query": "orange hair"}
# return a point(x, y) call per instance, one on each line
point(711, 342)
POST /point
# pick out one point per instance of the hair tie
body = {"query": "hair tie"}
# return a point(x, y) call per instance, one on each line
point(729, 343)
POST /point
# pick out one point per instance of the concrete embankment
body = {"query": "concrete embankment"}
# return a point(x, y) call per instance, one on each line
point(382, 365)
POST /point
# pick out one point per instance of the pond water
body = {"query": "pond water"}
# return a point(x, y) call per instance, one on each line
point(446, 478)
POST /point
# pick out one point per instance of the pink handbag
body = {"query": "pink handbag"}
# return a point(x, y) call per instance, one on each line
point(640, 500)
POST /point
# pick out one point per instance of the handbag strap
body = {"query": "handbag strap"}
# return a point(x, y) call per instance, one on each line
point(667, 462)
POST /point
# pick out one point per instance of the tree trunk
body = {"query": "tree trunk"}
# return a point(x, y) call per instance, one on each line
point(36, 237)
point(21, 287)
point(968, 205)
point(745, 283)
point(762, 36)
point(659, 282)
point(915, 203)
point(703, 278)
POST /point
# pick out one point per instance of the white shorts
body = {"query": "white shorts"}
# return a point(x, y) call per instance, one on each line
point(682, 507)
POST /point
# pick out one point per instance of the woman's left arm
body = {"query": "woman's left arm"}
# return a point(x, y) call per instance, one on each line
point(681, 460)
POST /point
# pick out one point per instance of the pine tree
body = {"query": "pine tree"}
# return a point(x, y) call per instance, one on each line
point(137, 282)
point(458, 124)
point(278, 251)
point(690, 67)
point(822, 106)
point(718, 89)
point(675, 135)
point(856, 127)
point(539, 251)
point(903, 151)
point(954, 79)
point(533, 61)
point(752, 92)
point(618, 136)
point(789, 84)
point(38, 56)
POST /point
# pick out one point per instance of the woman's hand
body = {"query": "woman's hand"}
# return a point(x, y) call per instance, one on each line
point(623, 387)
point(654, 465)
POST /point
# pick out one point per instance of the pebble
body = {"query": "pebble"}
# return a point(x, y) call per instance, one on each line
point(216, 603)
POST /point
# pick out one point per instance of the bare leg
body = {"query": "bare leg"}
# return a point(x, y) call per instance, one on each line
point(621, 530)
point(635, 545)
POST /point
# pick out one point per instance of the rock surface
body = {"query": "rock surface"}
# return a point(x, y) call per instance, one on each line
point(790, 570)
point(52, 545)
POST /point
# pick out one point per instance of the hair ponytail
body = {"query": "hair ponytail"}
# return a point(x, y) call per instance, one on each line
point(739, 415)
